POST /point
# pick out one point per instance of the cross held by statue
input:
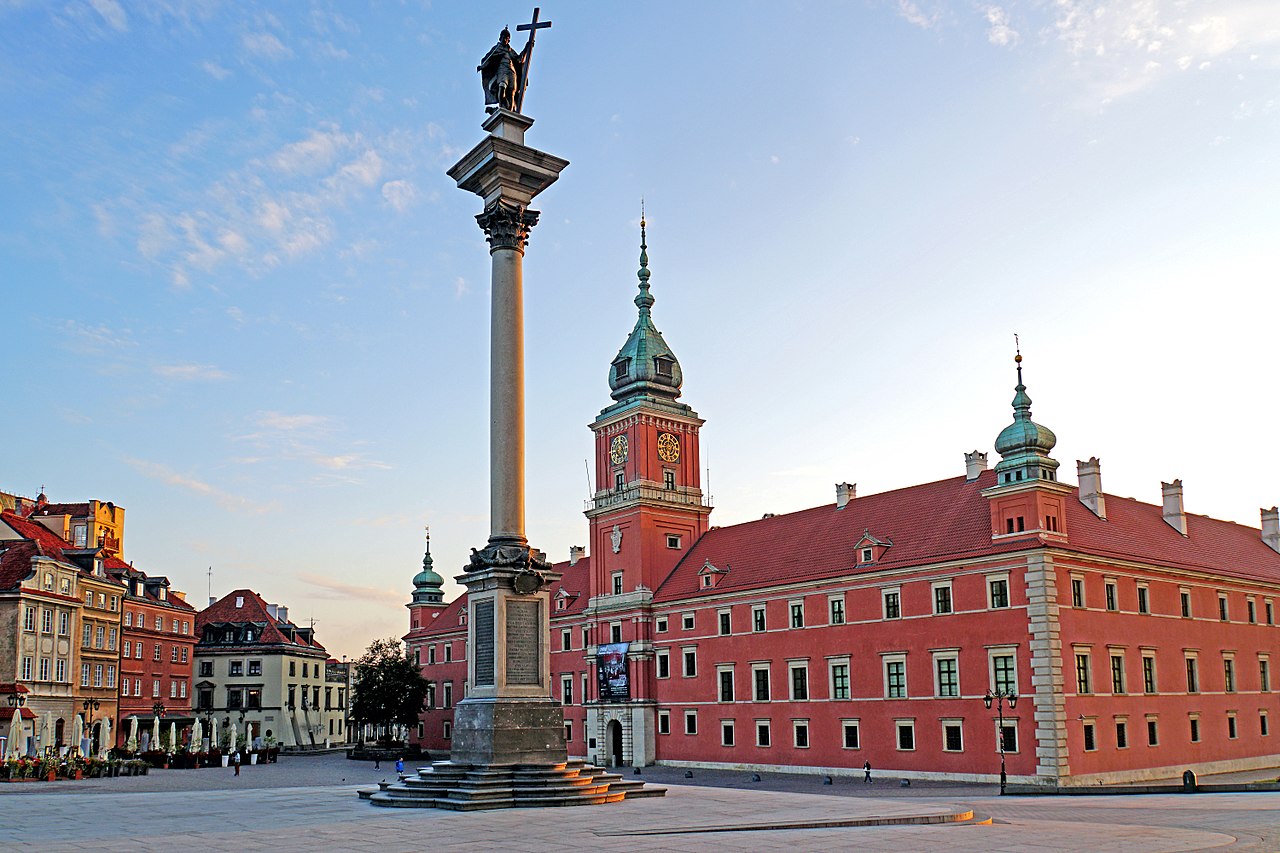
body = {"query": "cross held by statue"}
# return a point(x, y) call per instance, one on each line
point(534, 25)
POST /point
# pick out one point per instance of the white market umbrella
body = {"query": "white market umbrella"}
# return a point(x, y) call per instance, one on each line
point(155, 734)
point(213, 735)
point(48, 730)
point(16, 734)
point(197, 736)
point(104, 743)
point(133, 730)
point(232, 738)
point(173, 736)
point(78, 733)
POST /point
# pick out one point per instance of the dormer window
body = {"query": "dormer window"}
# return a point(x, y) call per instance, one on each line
point(239, 601)
point(662, 366)
point(622, 368)
point(868, 554)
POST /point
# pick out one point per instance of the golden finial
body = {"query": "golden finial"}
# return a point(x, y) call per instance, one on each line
point(641, 211)
point(1017, 345)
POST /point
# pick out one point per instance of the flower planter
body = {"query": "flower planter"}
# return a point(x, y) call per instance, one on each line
point(78, 775)
point(51, 776)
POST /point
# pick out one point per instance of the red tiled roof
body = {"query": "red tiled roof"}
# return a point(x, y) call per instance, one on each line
point(76, 509)
point(948, 520)
point(15, 561)
point(252, 609)
point(574, 579)
point(118, 569)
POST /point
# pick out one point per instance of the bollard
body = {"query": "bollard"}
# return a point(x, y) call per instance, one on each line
point(826, 780)
point(755, 777)
point(637, 772)
point(904, 783)
point(688, 774)
point(1188, 781)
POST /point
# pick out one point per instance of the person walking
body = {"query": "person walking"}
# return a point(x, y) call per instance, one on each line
point(866, 772)
point(377, 761)
point(235, 759)
point(399, 766)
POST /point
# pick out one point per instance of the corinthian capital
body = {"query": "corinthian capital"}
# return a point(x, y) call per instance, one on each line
point(507, 225)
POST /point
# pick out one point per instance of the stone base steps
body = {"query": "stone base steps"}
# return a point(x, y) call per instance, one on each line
point(461, 787)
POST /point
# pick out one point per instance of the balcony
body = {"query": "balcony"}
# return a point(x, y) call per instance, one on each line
point(648, 491)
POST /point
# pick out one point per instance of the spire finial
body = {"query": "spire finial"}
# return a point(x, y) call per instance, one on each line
point(644, 301)
point(1017, 359)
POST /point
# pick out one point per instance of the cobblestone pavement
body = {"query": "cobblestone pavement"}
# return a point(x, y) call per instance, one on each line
point(303, 804)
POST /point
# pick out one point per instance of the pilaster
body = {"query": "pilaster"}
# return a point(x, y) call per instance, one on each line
point(1052, 764)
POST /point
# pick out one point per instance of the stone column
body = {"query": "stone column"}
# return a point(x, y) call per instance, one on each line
point(509, 715)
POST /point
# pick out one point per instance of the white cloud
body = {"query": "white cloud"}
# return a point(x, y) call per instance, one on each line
point(400, 194)
point(313, 154)
point(912, 14)
point(265, 46)
point(998, 30)
point(112, 13)
point(292, 423)
point(165, 474)
point(460, 287)
point(189, 372)
point(215, 70)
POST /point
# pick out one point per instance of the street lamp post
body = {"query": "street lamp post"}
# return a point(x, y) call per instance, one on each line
point(999, 697)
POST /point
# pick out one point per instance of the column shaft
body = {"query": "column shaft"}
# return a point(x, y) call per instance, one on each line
point(506, 397)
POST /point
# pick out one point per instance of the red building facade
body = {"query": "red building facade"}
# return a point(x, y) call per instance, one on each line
point(1138, 638)
point(157, 651)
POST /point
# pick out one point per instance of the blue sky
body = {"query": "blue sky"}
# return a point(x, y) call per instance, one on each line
point(243, 300)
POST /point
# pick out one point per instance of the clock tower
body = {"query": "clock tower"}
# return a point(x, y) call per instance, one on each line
point(647, 511)
point(648, 507)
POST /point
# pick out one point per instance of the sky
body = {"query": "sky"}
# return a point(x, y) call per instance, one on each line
point(241, 298)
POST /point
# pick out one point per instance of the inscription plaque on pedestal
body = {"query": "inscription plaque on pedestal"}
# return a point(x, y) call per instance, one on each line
point(524, 633)
point(483, 621)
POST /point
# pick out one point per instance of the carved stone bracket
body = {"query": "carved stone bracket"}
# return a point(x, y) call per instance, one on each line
point(507, 225)
point(505, 555)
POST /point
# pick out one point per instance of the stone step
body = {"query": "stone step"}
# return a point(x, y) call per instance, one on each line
point(473, 805)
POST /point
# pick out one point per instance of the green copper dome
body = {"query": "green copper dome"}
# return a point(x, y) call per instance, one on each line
point(645, 366)
point(426, 583)
point(1024, 445)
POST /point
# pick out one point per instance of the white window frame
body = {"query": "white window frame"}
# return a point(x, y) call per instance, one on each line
point(664, 722)
point(765, 668)
point(835, 617)
point(615, 580)
point(728, 726)
point(900, 724)
point(690, 714)
point(792, 667)
point(795, 608)
point(951, 721)
point(767, 727)
point(832, 663)
point(952, 655)
point(796, 726)
point(685, 670)
point(720, 621)
point(1002, 651)
point(662, 655)
point(951, 598)
point(884, 601)
point(687, 621)
point(759, 617)
point(991, 603)
point(887, 658)
point(721, 669)
point(855, 724)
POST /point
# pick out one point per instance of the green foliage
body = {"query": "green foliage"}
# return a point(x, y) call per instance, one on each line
point(388, 687)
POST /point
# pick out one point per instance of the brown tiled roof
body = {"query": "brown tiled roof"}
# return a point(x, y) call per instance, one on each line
point(950, 520)
point(120, 570)
point(76, 509)
point(253, 609)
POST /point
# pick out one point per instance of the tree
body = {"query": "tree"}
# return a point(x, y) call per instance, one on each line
point(388, 688)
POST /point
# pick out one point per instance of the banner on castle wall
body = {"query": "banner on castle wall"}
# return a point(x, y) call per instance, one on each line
point(611, 672)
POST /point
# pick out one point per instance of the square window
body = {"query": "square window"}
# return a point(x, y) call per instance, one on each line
point(868, 555)
point(726, 732)
point(836, 606)
point(725, 623)
point(757, 618)
point(659, 624)
point(687, 621)
point(952, 737)
point(942, 598)
point(615, 635)
point(760, 682)
point(800, 729)
point(726, 685)
point(948, 672)
point(691, 722)
point(840, 680)
point(669, 480)
point(673, 541)
point(892, 604)
point(763, 733)
point(851, 735)
point(998, 588)
point(906, 736)
point(664, 722)
point(799, 682)
point(1009, 737)
point(797, 614)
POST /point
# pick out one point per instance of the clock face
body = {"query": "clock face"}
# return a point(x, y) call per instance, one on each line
point(618, 449)
point(668, 447)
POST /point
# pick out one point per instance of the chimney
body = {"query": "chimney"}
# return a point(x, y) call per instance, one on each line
point(1271, 528)
point(282, 613)
point(576, 553)
point(271, 610)
point(212, 600)
point(845, 492)
point(1090, 476)
point(1173, 514)
point(974, 464)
